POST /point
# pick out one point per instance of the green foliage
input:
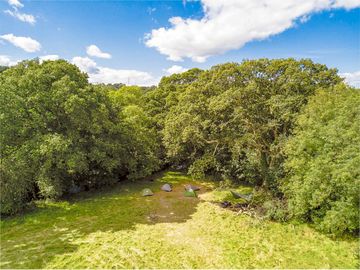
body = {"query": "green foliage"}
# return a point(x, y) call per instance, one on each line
point(58, 131)
point(323, 178)
point(3, 68)
point(158, 101)
point(161, 99)
point(140, 127)
point(203, 165)
point(240, 115)
point(276, 209)
point(233, 121)
point(15, 184)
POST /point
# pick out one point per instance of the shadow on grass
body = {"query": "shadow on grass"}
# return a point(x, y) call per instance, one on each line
point(116, 227)
point(31, 240)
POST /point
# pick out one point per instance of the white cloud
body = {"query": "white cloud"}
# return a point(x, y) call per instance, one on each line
point(98, 74)
point(28, 18)
point(230, 24)
point(85, 64)
point(129, 77)
point(352, 79)
point(51, 57)
point(175, 69)
point(15, 3)
point(6, 61)
point(347, 4)
point(26, 43)
point(93, 50)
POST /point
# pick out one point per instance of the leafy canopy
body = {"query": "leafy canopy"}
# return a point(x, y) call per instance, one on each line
point(59, 132)
point(234, 118)
point(323, 180)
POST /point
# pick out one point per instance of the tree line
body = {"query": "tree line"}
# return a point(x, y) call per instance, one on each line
point(291, 128)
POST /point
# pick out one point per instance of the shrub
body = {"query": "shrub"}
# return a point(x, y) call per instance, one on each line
point(276, 209)
point(15, 185)
point(202, 166)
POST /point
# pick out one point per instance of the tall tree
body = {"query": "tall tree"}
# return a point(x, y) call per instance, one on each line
point(323, 173)
point(58, 131)
point(235, 118)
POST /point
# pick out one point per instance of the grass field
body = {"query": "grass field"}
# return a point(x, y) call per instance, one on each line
point(117, 228)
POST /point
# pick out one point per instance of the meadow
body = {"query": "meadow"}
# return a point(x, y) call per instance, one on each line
point(105, 106)
point(118, 228)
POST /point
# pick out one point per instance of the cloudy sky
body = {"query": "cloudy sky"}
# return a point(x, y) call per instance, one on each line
point(138, 42)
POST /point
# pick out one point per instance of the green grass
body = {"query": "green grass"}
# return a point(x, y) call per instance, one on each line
point(117, 228)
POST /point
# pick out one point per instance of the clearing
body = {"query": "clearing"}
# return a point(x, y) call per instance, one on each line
point(117, 228)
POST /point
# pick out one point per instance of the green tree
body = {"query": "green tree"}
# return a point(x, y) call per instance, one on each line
point(236, 117)
point(159, 100)
point(59, 131)
point(198, 127)
point(3, 68)
point(140, 128)
point(162, 98)
point(323, 157)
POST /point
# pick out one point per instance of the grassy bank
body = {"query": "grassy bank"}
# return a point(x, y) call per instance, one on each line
point(119, 228)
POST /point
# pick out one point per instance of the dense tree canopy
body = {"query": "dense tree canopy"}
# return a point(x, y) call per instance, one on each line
point(233, 119)
point(58, 131)
point(130, 104)
point(290, 127)
point(323, 181)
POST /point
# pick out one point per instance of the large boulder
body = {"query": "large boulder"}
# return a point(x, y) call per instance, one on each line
point(147, 192)
point(166, 187)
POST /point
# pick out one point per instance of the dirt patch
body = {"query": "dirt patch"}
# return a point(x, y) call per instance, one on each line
point(173, 206)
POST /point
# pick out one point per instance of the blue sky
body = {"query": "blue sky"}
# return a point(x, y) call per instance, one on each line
point(203, 34)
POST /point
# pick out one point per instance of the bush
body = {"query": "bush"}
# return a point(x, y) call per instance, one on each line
point(15, 185)
point(323, 169)
point(276, 209)
point(202, 166)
